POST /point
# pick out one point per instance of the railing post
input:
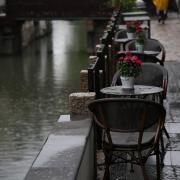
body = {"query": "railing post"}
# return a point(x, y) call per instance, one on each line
point(90, 80)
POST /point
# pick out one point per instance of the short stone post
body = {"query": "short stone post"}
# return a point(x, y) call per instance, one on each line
point(78, 102)
point(84, 81)
point(92, 59)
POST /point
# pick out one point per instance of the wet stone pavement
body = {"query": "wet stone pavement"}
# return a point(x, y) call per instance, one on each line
point(169, 35)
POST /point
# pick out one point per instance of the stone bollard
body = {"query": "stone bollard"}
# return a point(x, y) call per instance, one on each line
point(79, 101)
point(84, 81)
point(92, 59)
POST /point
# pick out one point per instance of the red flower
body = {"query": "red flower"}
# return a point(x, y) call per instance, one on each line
point(128, 53)
point(138, 23)
point(139, 62)
point(126, 58)
point(138, 29)
point(134, 58)
point(129, 65)
point(121, 59)
point(130, 22)
point(129, 57)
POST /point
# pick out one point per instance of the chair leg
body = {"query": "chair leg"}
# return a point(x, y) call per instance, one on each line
point(166, 133)
point(162, 143)
point(162, 153)
point(107, 163)
point(132, 169)
point(162, 149)
point(106, 175)
point(144, 172)
point(158, 162)
point(142, 166)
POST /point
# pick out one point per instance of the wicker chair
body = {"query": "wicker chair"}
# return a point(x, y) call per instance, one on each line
point(150, 45)
point(120, 39)
point(152, 75)
point(121, 34)
point(132, 126)
point(145, 58)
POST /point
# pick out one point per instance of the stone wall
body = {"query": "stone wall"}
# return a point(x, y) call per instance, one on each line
point(27, 32)
point(34, 29)
point(67, 154)
point(14, 35)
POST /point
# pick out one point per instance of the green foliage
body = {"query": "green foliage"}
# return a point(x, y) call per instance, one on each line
point(129, 68)
point(127, 5)
point(131, 27)
point(141, 37)
point(115, 3)
point(129, 65)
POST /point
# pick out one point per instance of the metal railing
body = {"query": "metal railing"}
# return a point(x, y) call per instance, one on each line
point(100, 72)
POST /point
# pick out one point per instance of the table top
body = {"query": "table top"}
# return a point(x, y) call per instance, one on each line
point(138, 90)
point(136, 18)
point(135, 13)
point(124, 26)
point(121, 40)
point(148, 52)
point(153, 53)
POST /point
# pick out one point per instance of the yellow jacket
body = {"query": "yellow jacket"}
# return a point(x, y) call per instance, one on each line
point(161, 4)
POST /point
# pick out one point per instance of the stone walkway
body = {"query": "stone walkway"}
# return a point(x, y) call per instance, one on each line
point(169, 35)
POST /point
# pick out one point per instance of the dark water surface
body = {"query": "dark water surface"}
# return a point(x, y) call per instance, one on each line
point(34, 89)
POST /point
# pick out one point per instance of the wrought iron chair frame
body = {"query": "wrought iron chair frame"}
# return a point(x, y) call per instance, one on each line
point(164, 85)
point(149, 46)
point(99, 109)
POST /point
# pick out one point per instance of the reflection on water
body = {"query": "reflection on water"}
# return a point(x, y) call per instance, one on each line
point(34, 89)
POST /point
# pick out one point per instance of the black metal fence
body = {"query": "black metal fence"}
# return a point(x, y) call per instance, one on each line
point(100, 72)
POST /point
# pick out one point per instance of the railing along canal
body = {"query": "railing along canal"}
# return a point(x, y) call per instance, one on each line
point(100, 71)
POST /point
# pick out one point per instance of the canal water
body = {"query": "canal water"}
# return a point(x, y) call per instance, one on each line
point(34, 89)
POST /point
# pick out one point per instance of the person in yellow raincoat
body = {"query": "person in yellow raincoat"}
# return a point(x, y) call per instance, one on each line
point(161, 8)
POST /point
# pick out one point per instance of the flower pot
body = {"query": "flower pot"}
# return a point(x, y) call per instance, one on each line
point(131, 35)
point(127, 82)
point(139, 47)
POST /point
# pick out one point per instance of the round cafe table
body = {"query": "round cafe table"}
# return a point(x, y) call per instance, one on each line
point(148, 52)
point(152, 93)
point(139, 91)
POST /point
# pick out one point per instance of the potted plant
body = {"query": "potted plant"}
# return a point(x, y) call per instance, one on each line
point(129, 67)
point(127, 5)
point(140, 39)
point(131, 28)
